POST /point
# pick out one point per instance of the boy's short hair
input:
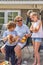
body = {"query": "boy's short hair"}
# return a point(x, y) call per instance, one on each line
point(11, 24)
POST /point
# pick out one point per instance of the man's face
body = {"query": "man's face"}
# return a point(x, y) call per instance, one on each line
point(19, 22)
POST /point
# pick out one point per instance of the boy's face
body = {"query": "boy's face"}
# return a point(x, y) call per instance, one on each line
point(11, 29)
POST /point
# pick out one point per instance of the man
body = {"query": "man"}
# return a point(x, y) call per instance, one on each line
point(22, 31)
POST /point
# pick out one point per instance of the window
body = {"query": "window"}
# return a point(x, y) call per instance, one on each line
point(7, 15)
point(11, 15)
point(1, 19)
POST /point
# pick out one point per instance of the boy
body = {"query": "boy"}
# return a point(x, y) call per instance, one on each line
point(10, 37)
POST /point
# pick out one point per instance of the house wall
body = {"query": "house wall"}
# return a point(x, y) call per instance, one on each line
point(23, 8)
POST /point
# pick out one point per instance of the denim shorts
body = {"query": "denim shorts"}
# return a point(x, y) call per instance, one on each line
point(37, 39)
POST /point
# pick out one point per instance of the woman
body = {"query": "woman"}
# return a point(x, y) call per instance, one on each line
point(36, 28)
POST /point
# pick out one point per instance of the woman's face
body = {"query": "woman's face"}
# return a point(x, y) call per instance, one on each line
point(34, 18)
point(19, 22)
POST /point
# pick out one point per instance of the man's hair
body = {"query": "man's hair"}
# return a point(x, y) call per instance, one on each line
point(11, 24)
point(17, 18)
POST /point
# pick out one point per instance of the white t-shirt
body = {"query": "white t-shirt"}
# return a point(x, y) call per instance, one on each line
point(39, 33)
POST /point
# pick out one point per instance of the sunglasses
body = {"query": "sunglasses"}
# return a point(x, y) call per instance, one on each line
point(19, 20)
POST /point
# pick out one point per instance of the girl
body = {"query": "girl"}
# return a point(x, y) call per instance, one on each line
point(36, 28)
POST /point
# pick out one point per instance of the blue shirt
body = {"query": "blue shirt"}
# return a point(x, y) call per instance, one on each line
point(14, 33)
point(21, 31)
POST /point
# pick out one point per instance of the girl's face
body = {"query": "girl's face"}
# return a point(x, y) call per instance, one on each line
point(34, 18)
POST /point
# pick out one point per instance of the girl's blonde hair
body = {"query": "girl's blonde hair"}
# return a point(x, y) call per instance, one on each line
point(35, 14)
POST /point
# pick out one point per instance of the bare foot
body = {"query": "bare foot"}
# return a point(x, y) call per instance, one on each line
point(38, 64)
point(34, 63)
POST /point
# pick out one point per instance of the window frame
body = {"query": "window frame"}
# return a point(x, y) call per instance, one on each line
point(6, 14)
